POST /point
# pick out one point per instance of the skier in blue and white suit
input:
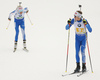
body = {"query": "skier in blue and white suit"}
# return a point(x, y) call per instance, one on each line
point(19, 21)
point(80, 37)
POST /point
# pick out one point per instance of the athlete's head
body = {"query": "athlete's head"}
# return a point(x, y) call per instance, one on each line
point(78, 15)
point(20, 9)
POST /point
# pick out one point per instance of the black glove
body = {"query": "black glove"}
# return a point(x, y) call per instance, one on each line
point(84, 21)
point(27, 11)
point(69, 21)
point(9, 19)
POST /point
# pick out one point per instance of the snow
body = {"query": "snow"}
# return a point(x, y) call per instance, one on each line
point(47, 40)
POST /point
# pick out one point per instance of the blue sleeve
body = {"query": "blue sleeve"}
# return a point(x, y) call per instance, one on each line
point(88, 27)
point(25, 8)
point(67, 26)
point(13, 12)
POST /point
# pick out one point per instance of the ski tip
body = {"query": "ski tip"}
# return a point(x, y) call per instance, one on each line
point(13, 51)
point(63, 75)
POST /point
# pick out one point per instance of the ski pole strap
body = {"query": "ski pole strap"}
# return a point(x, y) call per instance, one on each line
point(85, 22)
point(85, 31)
point(69, 25)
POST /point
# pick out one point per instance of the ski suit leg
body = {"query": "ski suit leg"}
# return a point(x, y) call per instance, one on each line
point(83, 45)
point(77, 46)
point(17, 31)
point(23, 30)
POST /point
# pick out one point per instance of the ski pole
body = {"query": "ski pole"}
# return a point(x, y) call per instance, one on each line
point(88, 49)
point(8, 24)
point(67, 48)
point(29, 19)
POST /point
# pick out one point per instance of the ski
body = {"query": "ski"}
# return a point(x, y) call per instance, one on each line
point(82, 73)
point(14, 50)
point(25, 49)
point(71, 73)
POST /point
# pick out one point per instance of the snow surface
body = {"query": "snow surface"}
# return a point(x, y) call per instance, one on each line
point(47, 40)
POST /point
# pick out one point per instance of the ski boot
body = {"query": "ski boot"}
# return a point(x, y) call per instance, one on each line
point(77, 68)
point(24, 45)
point(83, 67)
point(14, 49)
point(15, 46)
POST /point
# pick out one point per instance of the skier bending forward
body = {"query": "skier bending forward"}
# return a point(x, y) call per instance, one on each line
point(19, 21)
point(80, 38)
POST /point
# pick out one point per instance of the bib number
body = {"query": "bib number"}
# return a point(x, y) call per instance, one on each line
point(79, 29)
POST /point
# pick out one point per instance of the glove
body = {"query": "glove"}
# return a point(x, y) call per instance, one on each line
point(69, 21)
point(27, 11)
point(84, 21)
point(9, 19)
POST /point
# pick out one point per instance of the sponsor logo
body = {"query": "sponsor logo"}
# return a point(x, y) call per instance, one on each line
point(75, 13)
point(79, 25)
point(79, 29)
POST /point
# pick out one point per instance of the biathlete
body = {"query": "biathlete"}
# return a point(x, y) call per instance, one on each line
point(80, 38)
point(19, 21)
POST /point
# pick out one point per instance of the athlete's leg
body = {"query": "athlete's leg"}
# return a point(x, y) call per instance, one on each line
point(77, 46)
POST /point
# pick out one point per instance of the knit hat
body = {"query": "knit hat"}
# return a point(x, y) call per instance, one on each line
point(78, 14)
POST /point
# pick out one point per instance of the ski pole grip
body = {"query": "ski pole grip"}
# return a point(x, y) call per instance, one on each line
point(69, 23)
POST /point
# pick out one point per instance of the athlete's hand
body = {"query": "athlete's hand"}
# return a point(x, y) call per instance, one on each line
point(9, 19)
point(69, 21)
point(84, 21)
point(26, 11)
